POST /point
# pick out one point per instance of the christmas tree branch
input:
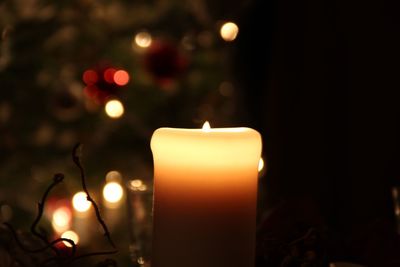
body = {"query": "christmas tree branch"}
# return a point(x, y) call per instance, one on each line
point(77, 162)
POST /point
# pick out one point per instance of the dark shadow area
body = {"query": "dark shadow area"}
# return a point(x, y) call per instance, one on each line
point(320, 80)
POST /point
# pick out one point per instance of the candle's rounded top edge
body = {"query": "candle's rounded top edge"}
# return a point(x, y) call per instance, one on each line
point(178, 139)
point(212, 130)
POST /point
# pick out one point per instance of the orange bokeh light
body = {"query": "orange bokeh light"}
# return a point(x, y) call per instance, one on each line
point(121, 77)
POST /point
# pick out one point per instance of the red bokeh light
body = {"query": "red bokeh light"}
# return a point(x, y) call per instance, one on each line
point(121, 77)
point(109, 75)
point(90, 77)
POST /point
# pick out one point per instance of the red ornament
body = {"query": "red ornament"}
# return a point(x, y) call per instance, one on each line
point(164, 61)
point(103, 82)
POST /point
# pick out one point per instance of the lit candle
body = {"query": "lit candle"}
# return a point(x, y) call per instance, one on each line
point(205, 191)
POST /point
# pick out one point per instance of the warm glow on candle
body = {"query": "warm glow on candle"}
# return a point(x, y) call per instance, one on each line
point(229, 31)
point(205, 193)
point(113, 192)
point(72, 236)
point(114, 109)
point(61, 219)
point(206, 127)
point(80, 202)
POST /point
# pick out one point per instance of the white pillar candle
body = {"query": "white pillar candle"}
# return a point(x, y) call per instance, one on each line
point(205, 192)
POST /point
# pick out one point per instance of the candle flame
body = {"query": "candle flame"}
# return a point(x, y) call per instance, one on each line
point(206, 127)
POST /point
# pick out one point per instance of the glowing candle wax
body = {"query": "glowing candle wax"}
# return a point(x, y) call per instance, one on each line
point(205, 191)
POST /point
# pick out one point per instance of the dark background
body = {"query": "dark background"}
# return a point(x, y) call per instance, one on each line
point(322, 85)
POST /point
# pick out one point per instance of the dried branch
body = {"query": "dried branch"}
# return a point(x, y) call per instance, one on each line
point(49, 245)
point(77, 162)
point(59, 258)
point(58, 178)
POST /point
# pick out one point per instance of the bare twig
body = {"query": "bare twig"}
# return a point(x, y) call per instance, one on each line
point(59, 258)
point(58, 178)
point(51, 244)
point(77, 162)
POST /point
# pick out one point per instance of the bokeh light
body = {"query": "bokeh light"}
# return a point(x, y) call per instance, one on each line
point(108, 75)
point(229, 31)
point(113, 176)
point(141, 261)
point(114, 109)
point(80, 202)
point(143, 39)
point(121, 77)
point(143, 187)
point(226, 89)
point(90, 77)
point(72, 236)
point(260, 165)
point(61, 219)
point(113, 192)
point(137, 185)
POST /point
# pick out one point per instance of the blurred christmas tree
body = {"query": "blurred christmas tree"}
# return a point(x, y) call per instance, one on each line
point(106, 74)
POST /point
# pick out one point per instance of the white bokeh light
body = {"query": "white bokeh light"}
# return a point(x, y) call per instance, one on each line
point(143, 39)
point(61, 219)
point(72, 236)
point(114, 109)
point(113, 192)
point(229, 31)
point(80, 202)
